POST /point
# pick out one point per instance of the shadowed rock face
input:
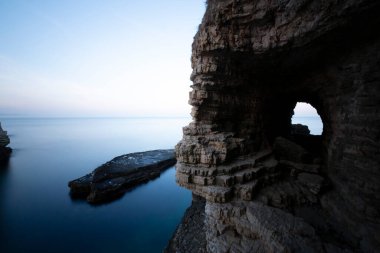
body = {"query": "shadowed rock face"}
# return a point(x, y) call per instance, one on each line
point(190, 234)
point(266, 189)
point(5, 151)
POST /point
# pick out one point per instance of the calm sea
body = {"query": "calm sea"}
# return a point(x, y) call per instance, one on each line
point(36, 211)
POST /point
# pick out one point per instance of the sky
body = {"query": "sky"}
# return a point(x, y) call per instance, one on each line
point(96, 58)
point(305, 110)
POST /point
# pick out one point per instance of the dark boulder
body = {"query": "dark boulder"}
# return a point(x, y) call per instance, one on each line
point(285, 149)
point(300, 129)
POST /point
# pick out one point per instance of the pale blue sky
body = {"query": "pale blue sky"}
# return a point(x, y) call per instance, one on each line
point(305, 110)
point(96, 57)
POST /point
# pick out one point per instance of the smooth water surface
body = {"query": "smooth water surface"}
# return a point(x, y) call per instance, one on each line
point(36, 211)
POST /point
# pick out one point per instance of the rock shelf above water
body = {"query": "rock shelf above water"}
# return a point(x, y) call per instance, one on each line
point(114, 178)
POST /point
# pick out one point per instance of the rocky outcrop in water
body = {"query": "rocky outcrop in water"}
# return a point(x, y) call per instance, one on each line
point(112, 179)
point(300, 129)
point(5, 151)
point(267, 188)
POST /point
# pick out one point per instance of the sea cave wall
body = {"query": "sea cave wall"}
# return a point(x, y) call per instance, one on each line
point(266, 189)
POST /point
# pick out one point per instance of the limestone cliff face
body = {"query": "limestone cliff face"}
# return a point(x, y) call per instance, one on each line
point(265, 189)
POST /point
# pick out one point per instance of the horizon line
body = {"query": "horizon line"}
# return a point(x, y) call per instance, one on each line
point(88, 117)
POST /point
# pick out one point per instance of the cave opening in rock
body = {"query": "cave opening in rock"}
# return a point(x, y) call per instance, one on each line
point(306, 129)
point(306, 114)
point(252, 63)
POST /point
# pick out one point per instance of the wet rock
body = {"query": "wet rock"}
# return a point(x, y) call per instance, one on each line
point(113, 178)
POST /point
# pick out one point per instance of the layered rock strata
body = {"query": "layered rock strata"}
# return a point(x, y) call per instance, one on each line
point(269, 189)
point(5, 151)
point(114, 178)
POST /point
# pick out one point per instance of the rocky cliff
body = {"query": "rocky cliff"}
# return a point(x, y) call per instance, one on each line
point(268, 189)
point(4, 150)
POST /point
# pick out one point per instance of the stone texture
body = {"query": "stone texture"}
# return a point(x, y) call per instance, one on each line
point(190, 235)
point(112, 179)
point(254, 227)
point(252, 62)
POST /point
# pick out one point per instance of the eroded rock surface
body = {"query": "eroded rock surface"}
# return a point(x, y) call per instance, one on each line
point(5, 151)
point(190, 235)
point(268, 188)
point(113, 178)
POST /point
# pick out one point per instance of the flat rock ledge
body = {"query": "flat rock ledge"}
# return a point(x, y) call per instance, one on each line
point(112, 179)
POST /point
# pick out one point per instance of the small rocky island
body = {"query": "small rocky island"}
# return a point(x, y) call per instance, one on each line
point(5, 151)
point(112, 179)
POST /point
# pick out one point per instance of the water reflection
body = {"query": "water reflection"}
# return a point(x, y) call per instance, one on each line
point(4, 173)
point(36, 212)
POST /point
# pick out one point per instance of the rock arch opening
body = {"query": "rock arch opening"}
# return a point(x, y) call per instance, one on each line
point(305, 114)
point(252, 63)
